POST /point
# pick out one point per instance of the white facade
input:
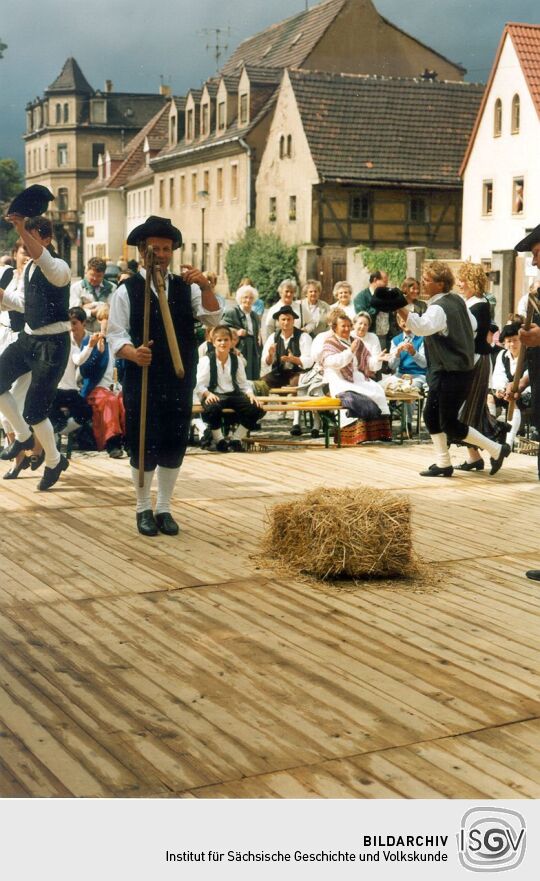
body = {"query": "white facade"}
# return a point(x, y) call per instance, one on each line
point(103, 225)
point(502, 160)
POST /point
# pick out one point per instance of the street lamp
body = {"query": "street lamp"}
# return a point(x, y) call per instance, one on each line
point(203, 198)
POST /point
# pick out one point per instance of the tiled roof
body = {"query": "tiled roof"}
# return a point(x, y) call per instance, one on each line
point(288, 43)
point(369, 129)
point(132, 110)
point(71, 79)
point(134, 158)
point(526, 40)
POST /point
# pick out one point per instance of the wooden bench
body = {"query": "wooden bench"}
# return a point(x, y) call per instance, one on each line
point(289, 400)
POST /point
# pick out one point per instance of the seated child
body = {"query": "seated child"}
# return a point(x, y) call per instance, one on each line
point(222, 384)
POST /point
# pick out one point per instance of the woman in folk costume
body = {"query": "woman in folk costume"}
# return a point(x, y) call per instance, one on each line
point(471, 283)
point(347, 371)
point(247, 324)
point(96, 366)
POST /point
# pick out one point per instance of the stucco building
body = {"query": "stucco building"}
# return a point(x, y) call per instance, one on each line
point(67, 130)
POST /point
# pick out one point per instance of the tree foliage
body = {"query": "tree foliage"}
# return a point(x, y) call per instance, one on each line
point(11, 183)
point(3, 47)
point(394, 262)
point(265, 259)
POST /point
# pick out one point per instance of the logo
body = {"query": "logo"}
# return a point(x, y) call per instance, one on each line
point(491, 839)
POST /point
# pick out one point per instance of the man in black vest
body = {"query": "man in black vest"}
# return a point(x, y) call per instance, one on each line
point(287, 352)
point(447, 326)
point(42, 347)
point(170, 399)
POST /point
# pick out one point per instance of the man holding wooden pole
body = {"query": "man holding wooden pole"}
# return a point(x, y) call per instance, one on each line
point(157, 397)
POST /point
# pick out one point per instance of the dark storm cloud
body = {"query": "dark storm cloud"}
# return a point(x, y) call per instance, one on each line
point(133, 43)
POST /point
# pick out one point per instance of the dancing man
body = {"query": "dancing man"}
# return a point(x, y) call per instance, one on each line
point(42, 348)
point(448, 327)
point(170, 399)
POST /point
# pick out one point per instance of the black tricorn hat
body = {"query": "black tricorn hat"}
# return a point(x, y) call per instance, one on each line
point(529, 241)
point(31, 202)
point(155, 227)
point(511, 329)
point(285, 310)
point(388, 299)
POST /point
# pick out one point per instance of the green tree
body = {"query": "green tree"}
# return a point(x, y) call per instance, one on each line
point(11, 183)
point(3, 47)
point(265, 259)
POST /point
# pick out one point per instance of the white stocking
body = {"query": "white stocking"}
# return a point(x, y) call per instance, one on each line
point(442, 454)
point(144, 502)
point(166, 482)
point(45, 435)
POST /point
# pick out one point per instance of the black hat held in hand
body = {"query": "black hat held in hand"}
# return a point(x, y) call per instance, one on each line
point(31, 202)
point(155, 227)
point(285, 310)
point(388, 299)
point(530, 240)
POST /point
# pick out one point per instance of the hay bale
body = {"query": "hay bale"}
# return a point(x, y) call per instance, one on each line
point(342, 533)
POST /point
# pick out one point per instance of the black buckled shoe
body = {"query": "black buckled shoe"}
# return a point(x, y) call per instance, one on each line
point(146, 523)
point(37, 461)
point(52, 475)
point(17, 447)
point(295, 431)
point(496, 464)
point(533, 574)
point(471, 466)
point(14, 472)
point(236, 445)
point(167, 524)
point(222, 445)
point(436, 471)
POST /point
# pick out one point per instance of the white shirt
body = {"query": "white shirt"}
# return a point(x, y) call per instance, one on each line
point(81, 296)
point(306, 358)
point(69, 379)
point(433, 320)
point(395, 357)
point(499, 379)
point(270, 325)
point(119, 327)
point(224, 377)
point(58, 273)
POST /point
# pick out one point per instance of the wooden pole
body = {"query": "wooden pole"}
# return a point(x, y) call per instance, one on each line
point(168, 322)
point(149, 264)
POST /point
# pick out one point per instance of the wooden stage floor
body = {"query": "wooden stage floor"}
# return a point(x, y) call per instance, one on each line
point(178, 667)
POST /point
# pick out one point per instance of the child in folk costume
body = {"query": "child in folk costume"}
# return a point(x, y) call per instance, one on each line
point(503, 377)
point(347, 371)
point(222, 384)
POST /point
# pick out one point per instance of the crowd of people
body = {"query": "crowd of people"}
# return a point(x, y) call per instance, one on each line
point(73, 358)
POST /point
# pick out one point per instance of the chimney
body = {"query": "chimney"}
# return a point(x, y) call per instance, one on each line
point(165, 90)
point(108, 86)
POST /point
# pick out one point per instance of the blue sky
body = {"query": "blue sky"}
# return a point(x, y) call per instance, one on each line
point(133, 43)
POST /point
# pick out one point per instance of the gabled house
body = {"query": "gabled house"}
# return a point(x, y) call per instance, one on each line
point(206, 181)
point(501, 171)
point(354, 159)
point(122, 194)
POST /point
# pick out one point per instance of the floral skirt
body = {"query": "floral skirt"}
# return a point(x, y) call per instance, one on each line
point(362, 430)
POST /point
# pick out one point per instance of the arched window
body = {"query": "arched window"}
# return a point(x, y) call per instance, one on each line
point(497, 118)
point(289, 146)
point(58, 117)
point(515, 114)
point(66, 112)
point(282, 147)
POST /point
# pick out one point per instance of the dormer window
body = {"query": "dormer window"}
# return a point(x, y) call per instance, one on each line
point(98, 110)
point(221, 116)
point(497, 118)
point(189, 125)
point(205, 119)
point(243, 109)
point(515, 115)
point(172, 130)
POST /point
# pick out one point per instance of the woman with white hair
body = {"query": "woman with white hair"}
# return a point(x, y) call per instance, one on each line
point(343, 293)
point(287, 296)
point(246, 321)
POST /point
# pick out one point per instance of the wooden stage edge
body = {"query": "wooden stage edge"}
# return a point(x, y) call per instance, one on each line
point(182, 668)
